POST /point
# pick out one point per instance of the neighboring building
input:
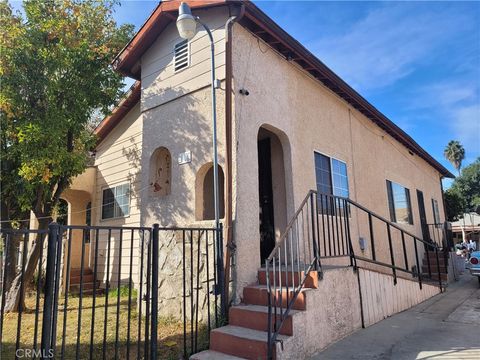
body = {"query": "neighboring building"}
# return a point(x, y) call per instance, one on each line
point(468, 228)
point(287, 124)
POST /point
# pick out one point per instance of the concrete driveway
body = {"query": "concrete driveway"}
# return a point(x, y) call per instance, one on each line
point(446, 326)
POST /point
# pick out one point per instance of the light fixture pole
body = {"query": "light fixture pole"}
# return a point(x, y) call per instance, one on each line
point(187, 28)
point(186, 24)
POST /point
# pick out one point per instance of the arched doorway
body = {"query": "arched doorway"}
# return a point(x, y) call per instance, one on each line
point(204, 193)
point(271, 190)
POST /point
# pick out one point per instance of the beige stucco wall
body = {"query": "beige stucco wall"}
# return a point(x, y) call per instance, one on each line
point(176, 112)
point(309, 117)
point(180, 126)
point(176, 108)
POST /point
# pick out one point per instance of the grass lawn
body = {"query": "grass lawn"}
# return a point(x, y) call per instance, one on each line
point(170, 331)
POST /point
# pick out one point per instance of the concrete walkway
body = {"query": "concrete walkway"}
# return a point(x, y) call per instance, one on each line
point(446, 326)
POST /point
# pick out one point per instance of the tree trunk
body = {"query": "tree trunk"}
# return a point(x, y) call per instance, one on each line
point(14, 295)
point(10, 267)
point(11, 242)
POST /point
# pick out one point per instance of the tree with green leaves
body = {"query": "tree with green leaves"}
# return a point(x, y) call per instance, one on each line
point(55, 74)
point(455, 153)
point(464, 194)
point(468, 185)
point(454, 204)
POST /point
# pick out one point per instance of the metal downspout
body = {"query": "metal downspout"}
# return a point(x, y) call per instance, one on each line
point(228, 141)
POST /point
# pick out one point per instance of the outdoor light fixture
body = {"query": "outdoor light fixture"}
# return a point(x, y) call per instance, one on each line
point(362, 243)
point(187, 29)
point(186, 22)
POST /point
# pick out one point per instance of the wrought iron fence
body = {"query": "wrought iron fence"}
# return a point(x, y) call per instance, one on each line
point(101, 292)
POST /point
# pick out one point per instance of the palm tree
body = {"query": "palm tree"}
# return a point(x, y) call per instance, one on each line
point(455, 153)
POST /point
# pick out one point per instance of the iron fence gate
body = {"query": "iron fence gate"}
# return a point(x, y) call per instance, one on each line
point(100, 292)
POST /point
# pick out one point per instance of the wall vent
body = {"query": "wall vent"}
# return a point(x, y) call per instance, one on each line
point(181, 55)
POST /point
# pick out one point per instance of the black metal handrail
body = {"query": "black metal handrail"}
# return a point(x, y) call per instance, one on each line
point(321, 228)
point(296, 252)
point(403, 236)
point(437, 233)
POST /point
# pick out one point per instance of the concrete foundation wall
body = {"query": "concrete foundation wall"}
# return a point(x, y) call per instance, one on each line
point(333, 311)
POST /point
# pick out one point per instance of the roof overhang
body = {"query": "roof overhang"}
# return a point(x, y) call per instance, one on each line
point(131, 98)
point(254, 19)
point(127, 61)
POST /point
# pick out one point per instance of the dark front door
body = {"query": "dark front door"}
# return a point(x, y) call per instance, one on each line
point(267, 228)
point(423, 216)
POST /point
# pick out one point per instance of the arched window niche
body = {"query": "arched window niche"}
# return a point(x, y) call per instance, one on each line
point(204, 194)
point(161, 172)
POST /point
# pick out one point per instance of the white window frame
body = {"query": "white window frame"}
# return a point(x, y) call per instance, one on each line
point(331, 170)
point(114, 187)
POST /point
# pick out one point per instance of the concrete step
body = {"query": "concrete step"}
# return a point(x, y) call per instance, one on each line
point(86, 278)
point(432, 256)
point(243, 342)
point(256, 317)
point(213, 355)
point(258, 295)
point(85, 285)
point(434, 268)
point(289, 277)
point(78, 271)
point(87, 288)
point(98, 292)
point(441, 261)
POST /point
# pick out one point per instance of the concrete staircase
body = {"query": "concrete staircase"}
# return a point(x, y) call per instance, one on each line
point(88, 281)
point(246, 336)
point(435, 266)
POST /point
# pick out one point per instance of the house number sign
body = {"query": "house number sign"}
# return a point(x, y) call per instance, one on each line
point(185, 158)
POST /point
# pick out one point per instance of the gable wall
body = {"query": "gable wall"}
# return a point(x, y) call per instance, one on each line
point(160, 82)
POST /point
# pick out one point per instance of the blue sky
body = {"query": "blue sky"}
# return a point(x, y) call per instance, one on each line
point(417, 62)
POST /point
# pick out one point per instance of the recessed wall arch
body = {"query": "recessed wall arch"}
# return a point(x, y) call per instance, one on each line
point(204, 193)
point(161, 172)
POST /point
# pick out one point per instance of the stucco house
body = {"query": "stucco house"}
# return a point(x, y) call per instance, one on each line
point(287, 124)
